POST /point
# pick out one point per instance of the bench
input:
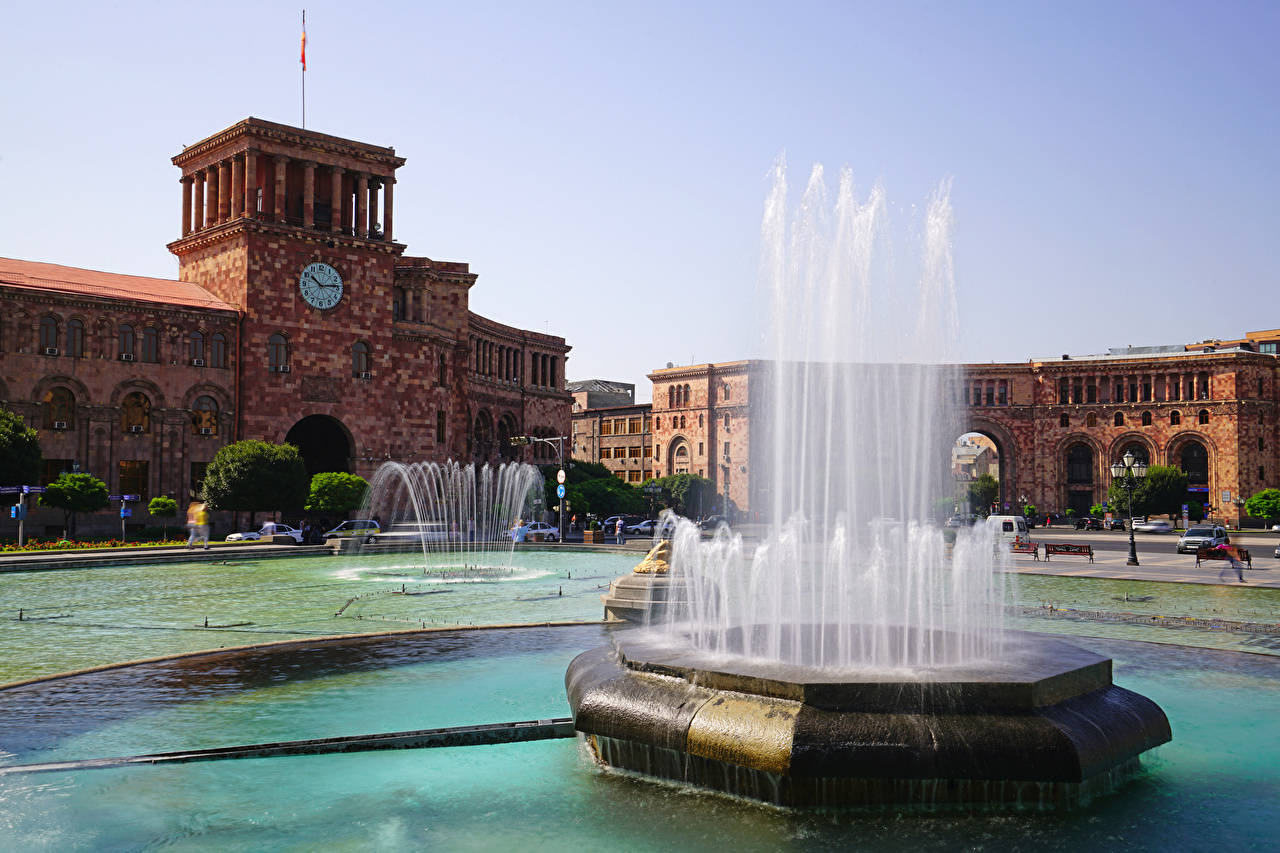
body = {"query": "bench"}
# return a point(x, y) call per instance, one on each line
point(1031, 548)
point(1068, 550)
point(1207, 554)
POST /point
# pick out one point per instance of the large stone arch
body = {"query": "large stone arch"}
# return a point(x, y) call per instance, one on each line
point(1175, 449)
point(77, 387)
point(506, 427)
point(1006, 447)
point(1074, 494)
point(482, 436)
point(324, 442)
point(151, 389)
point(1116, 449)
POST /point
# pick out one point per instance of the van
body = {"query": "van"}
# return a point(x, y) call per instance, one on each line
point(1009, 528)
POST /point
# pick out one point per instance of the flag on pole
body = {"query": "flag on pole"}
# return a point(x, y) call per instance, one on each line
point(304, 40)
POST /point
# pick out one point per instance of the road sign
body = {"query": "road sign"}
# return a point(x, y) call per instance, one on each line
point(126, 512)
point(133, 497)
point(560, 476)
point(10, 490)
point(115, 497)
point(33, 490)
point(1185, 509)
point(560, 490)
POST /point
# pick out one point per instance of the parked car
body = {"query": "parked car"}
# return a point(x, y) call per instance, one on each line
point(271, 528)
point(525, 533)
point(247, 536)
point(1202, 536)
point(712, 522)
point(1089, 524)
point(365, 527)
point(642, 528)
point(1116, 524)
point(1155, 525)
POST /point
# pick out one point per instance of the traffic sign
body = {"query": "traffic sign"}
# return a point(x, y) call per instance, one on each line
point(126, 512)
point(10, 490)
point(133, 497)
point(115, 497)
point(33, 490)
point(560, 476)
point(560, 490)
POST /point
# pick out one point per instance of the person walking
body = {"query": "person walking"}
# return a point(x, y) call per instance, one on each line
point(618, 531)
point(1233, 559)
point(200, 528)
point(193, 510)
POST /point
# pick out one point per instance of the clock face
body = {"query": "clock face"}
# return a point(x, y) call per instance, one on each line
point(321, 285)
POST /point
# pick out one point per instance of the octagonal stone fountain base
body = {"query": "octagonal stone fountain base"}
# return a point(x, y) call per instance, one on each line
point(1044, 727)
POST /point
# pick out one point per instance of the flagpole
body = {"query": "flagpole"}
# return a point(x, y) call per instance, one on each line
point(304, 69)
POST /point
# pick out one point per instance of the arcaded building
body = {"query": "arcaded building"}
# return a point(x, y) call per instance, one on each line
point(295, 316)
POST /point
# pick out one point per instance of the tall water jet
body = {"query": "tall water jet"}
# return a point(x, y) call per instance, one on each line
point(856, 657)
point(457, 515)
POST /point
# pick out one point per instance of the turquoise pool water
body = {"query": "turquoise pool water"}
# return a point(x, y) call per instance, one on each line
point(1215, 787)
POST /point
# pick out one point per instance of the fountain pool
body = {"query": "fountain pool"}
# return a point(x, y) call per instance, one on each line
point(1218, 781)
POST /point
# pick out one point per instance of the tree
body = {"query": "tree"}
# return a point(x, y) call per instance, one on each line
point(1265, 504)
point(336, 492)
point(20, 456)
point(687, 494)
point(607, 496)
point(1098, 510)
point(982, 492)
point(163, 507)
point(1161, 492)
point(1029, 510)
point(255, 476)
point(75, 493)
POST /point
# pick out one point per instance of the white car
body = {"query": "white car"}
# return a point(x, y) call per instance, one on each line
point(248, 536)
point(525, 533)
point(280, 530)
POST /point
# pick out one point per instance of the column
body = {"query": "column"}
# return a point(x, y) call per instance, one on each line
point(187, 181)
point(211, 195)
point(251, 183)
point(373, 205)
point(281, 163)
point(237, 186)
point(197, 206)
point(335, 199)
point(362, 202)
point(408, 304)
point(224, 190)
point(308, 194)
point(386, 208)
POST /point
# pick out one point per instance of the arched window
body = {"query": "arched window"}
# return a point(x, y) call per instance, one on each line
point(1146, 419)
point(671, 397)
point(1175, 418)
point(360, 360)
point(75, 338)
point(135, 412)
point(59, 409)
point(151, 345)
point(687, 395)
point(726, 423)
point(1064, 391)
point(204, 416)
point(126, 339)
point(1091, 419)
point(1139, 451)
point(1203, 416)
point(218, 350)
point(48, 336)
point(700, 421)
point(1195, 463)
point(1119, 419)
point(682, 426)
point(195, 348)
point(657, 423)
point(277, 353)
point(1079, 463)
point(1064, 420)
point(442, 371)
point(726, 391)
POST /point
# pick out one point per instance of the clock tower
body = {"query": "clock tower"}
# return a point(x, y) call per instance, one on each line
point(294, 228)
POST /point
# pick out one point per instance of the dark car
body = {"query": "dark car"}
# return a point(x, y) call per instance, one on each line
point(1088, 524)
point(1116, 524)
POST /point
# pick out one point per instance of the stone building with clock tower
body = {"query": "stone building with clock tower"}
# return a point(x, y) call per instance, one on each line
point(331, 337)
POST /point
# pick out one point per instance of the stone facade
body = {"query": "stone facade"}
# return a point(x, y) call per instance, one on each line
point(398, 368)
point(619, 438)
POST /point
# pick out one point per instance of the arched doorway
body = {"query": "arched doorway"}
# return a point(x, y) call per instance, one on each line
point(1079, 464)
point(974, 455)
point(482, 436)
point(324, 443)
point(1194, 462)
point(1140, 452)
point(506, 429)
point(678, 457)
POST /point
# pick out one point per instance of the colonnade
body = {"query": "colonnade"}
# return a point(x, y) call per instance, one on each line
point(1135, 388)
point(231, 189)
point(507, 364)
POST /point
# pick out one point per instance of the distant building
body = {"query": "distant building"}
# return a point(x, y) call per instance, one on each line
point(610, 428)
point(598, 393)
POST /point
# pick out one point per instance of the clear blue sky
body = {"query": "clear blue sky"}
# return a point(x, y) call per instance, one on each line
point(603, 166)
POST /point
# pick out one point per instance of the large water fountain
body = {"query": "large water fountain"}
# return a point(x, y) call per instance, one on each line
point(856, 657)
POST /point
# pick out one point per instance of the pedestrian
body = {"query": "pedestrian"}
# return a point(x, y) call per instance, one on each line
point(201, 530)
point(1233, 560)
point(618, 531)
point(193, 510)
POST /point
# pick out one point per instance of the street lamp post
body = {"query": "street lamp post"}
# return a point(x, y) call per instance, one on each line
point(1129, 472)
point(558, 443)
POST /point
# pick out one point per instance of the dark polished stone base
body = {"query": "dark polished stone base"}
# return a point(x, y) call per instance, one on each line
point(1043, 728)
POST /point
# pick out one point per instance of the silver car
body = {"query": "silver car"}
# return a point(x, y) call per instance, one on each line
point(1202, 536)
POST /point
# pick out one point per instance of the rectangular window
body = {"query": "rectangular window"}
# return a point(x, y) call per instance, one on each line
point(1119, 395)
point(1268, 347)
point(1003, 393)
point(699, 448)
point(633, 476)
point(648, 451)
point(621, 475)
point(1133, 391)
point(133, 477)
point(1064, 390)
point(633, 426)
point(1259, 386)
point(991, 395)
point(726, 450)
point(1262, 473)
point(1146, 392)
point(977, 395)
point(1091, 393)
point(197, 478)
point(1077, 391)
point(634, 452)
point(53, 469)
point(606, 453)
point(606, 427)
